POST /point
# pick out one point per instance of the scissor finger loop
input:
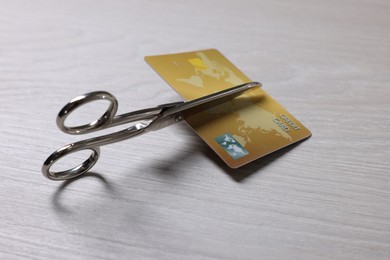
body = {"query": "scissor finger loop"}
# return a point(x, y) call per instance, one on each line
point(75, 171)
point(81, 100)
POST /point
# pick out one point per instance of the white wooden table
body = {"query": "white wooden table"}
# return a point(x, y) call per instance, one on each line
point(327, 62)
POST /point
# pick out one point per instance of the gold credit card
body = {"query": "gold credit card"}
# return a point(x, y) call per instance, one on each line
point(240, 130)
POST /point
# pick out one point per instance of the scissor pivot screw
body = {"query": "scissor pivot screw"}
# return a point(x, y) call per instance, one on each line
point(179, 118)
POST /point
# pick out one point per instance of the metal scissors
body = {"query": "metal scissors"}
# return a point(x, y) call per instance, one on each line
point(150, 119)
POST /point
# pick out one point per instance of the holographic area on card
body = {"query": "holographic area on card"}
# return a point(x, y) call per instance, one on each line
point(231, 146)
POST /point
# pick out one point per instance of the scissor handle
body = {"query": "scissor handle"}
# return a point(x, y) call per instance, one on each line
point(77, 102)
point(75, 171)
point(92, 144)
point(108, 119)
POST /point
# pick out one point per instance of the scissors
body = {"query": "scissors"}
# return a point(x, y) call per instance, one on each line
point(150, 119)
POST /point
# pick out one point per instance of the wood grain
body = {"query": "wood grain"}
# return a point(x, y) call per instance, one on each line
point(327, 62)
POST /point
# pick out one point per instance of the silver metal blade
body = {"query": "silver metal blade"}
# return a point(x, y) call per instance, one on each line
point(221, 95)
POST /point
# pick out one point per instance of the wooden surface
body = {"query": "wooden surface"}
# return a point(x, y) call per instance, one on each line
point(165, 195)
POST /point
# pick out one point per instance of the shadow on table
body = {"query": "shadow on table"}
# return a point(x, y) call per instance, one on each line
point(240, 174)
point(56, 198)
point(167, 169)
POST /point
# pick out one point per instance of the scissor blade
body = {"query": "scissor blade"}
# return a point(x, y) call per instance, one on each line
point(221, 95)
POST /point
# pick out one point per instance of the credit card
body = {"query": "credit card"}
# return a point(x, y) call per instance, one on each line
point(239, 130)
